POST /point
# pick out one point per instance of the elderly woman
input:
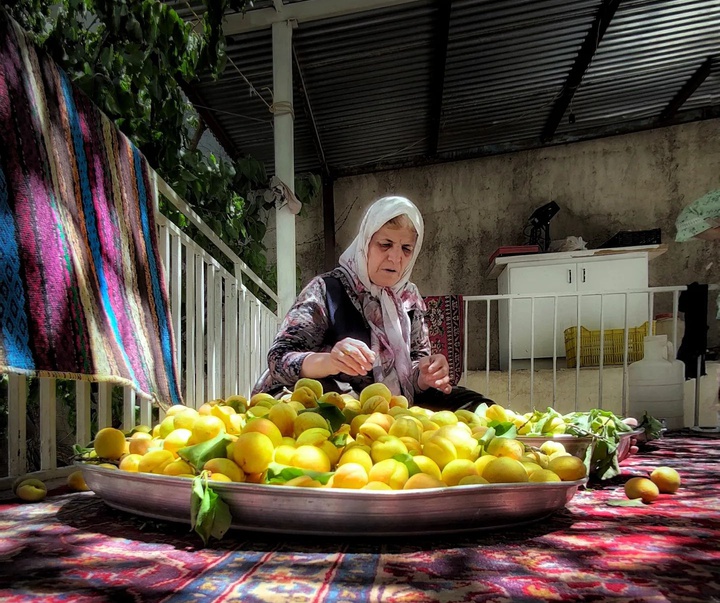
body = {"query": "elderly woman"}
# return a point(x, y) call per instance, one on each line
point(363, 322)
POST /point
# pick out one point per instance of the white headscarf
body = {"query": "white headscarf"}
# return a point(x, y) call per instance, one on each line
point(389, 324)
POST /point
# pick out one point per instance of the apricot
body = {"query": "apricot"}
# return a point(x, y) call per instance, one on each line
point(109, 443)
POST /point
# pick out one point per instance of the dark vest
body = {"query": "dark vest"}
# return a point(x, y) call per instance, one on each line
point(344, 318)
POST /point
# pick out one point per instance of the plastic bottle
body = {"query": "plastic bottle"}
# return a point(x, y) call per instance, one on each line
point(656, 384)
point(664, 326)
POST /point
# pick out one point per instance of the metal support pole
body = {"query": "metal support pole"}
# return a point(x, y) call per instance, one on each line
point(696, 427)
point(697, 391)
point(284, 161)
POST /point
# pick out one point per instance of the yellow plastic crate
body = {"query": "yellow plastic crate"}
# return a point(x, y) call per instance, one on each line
point(613, 349)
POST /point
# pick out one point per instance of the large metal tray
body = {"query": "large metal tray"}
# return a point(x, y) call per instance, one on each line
point(292, 510)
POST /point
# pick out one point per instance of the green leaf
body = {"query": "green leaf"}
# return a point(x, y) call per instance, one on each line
point(209, 514)
point(332, 414)
point(106, 57)
point(504, 429)
point(407, 460)
point(199, 454)
point(545, 419)
point(338, 440)
point(653, 428)
point(280, 474)
point(81, 450)
point(486, 437)
point(625, 502)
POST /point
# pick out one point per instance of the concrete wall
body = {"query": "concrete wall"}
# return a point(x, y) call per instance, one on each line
point(631, 182)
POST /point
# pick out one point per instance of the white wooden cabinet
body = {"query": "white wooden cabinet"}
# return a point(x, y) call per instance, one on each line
point(588, 272)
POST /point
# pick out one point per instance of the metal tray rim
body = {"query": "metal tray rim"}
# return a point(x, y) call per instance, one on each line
point(338, 511)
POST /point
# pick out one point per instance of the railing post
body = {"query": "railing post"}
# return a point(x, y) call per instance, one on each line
point(104, 411)
point(626, 345)
point(175, 274)
point(83, 428)
point(128, 408)
point(230, 386)
point(487, 347)
point(555, 322)
point(146, 413)
point(601, 360)
point(17, 434)
point(48, 420)
point(210, 327)
point(200, 322)
point(219, 363)
point(190, 320)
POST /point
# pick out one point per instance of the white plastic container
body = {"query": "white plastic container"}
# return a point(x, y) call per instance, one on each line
point(656, 384)
point(664, 326)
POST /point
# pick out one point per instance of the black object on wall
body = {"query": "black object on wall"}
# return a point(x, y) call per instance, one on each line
point(539, 225)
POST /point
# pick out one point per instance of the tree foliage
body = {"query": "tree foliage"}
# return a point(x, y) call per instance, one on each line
point(132, 57)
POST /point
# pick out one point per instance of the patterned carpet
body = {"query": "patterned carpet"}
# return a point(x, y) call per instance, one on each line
point(72, 547)
point(444, 319)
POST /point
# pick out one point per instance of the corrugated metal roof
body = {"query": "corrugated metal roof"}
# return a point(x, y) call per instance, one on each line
point(651, 49)
point(505, 68)
point(433, 80)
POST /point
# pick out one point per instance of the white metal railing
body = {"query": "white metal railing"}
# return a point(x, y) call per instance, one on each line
point(485, 306)
point(222, 335)
point(231, 337)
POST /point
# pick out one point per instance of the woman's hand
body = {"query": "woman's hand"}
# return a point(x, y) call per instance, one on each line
point(352, 357)
point(434, 372)
point(349, 356)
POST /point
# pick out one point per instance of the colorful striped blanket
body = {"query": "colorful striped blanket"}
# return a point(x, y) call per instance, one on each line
point(82, 293)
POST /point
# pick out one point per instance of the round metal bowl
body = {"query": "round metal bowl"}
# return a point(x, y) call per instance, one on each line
point(575, 445)
point(292, 510)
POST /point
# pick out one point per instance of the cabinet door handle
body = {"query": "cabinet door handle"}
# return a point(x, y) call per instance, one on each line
point(583, 276)
point(569, 275)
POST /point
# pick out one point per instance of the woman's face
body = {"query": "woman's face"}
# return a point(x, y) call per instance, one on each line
point(389, 252)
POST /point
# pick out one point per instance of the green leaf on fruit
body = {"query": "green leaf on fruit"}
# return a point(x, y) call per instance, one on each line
point(81, 450)
point(548, 422)
point(407, 460)
point(332, 414)
point(281, 474)
point(338, 440)
point(209, 514)
point(199, 454)
point(506, 429)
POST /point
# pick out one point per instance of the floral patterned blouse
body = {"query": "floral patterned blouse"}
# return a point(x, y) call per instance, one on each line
point(304, 331)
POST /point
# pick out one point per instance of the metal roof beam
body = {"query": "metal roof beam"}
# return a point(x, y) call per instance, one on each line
point(442, 33)
point(584, 57)
point(301, 12)
point(687, 90)
point(310, 115)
